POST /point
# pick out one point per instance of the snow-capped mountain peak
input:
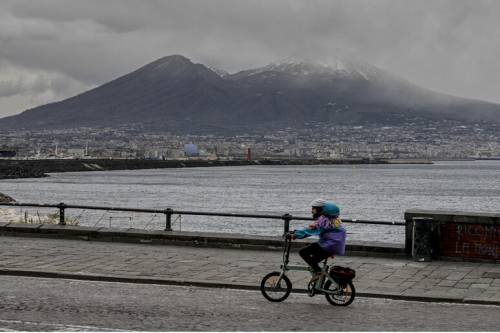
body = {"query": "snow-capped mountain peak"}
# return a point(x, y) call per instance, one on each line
point(298, 67)
point(305, 67)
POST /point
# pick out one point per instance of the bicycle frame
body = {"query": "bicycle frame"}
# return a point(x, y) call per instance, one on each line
point(286, 267)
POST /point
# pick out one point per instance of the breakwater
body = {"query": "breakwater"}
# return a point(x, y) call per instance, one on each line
point(40, 168)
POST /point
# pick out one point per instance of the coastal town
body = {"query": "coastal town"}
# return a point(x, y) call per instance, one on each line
point(439, 140)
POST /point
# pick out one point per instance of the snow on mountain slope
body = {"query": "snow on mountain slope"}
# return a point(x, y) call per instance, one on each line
point(305, 67)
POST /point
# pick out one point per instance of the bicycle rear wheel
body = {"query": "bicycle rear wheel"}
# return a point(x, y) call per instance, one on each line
point(275, 289)
point(339, 294)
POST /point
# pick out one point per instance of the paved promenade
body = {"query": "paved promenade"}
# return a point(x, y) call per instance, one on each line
point(377, 277)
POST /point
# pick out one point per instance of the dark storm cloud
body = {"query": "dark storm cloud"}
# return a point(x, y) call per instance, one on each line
point(450, 46)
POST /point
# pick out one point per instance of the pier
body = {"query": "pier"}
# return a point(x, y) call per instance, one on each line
point(10, 168)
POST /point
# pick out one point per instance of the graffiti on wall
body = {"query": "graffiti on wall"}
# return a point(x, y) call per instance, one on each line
point(481, 241)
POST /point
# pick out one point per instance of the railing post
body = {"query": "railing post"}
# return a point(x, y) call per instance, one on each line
point(286, 218)
point(168, 214)
point(62, 220)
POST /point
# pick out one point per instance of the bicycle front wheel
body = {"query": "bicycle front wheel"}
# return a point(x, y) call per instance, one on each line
point(274, 288)
point(339, 294)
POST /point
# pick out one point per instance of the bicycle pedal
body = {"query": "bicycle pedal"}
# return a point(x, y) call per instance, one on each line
point(311, 291)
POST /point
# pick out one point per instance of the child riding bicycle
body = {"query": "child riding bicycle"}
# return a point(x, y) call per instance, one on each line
point(331, 232)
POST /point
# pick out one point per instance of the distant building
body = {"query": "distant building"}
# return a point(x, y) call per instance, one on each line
point(191, 150)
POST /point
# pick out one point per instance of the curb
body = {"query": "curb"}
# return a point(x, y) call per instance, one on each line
point(227, 285)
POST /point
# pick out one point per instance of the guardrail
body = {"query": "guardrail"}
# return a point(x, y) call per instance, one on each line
point(286, 218)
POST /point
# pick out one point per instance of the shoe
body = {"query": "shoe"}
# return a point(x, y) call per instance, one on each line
point(317, 276)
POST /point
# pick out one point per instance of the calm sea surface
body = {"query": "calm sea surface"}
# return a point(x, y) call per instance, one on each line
point(370, 192)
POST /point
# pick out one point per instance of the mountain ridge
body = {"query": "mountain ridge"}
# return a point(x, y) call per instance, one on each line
point(175, 94)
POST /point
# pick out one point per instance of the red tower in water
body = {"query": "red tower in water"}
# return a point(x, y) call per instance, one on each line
point(249, 154)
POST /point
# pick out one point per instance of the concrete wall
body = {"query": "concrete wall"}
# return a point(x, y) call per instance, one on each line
point(458, 235)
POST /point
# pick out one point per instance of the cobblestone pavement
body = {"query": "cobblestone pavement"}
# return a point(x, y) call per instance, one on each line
point(375, 276)
point(39, 304)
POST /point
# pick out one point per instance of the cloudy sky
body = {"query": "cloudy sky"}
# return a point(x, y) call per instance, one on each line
point(54, 49)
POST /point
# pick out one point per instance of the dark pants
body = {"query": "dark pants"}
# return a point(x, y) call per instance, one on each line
point(313, 254)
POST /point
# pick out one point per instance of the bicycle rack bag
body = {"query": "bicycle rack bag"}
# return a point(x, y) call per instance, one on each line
point(342, 274)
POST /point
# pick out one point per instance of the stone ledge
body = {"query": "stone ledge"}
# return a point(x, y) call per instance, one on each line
point(69, 229)
point(454, 216)
point(22, 227)
point(200, 239)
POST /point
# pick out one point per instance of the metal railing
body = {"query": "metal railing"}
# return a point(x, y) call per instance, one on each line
point(168, 212)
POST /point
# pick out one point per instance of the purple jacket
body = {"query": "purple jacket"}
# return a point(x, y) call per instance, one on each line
point(331, 234)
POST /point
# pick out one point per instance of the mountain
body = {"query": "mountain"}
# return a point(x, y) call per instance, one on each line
point(175, 94)
point(349, 93)
point(167, 90)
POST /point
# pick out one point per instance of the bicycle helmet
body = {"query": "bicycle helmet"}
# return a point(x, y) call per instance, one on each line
point(331, 209)
point(317, 203)
point(317, 207)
